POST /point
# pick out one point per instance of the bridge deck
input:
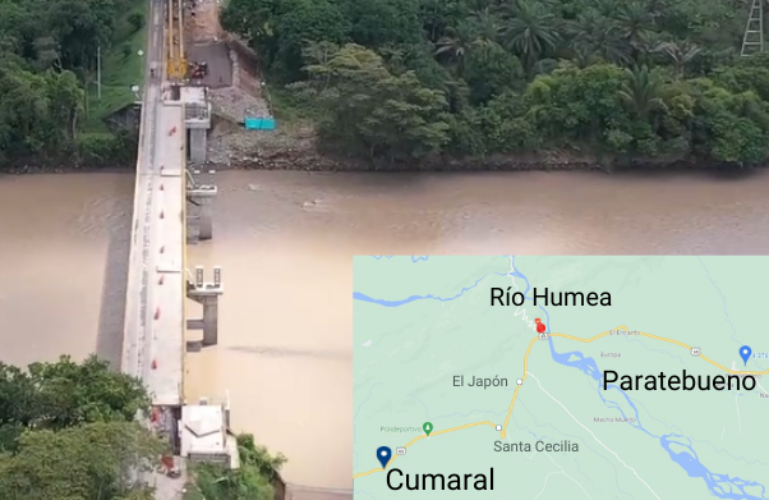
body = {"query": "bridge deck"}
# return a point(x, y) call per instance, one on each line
point(153, 346)
point(167, 290)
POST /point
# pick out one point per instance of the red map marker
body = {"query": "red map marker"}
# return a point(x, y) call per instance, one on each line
point(540, 327)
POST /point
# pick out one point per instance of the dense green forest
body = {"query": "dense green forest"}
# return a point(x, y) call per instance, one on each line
point(67, 432)
point(48, 51)
point(642, 80)
point(636, 80)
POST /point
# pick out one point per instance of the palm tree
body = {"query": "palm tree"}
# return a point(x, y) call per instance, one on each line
point(596, 37)
point(457, 42)
point(480, 30)
point(635, 21)
point(530, 30)
point(485, 25)
point(680, 53)
point(605, 8)
point(640, 93)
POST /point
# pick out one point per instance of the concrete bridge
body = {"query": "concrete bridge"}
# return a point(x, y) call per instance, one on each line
point(159, 282)
point(171, 208)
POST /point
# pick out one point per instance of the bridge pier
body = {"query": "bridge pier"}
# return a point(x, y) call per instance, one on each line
point(205, 224)
point(201, 197)
point(198, 145)
point(197, 119)
point(207, 294)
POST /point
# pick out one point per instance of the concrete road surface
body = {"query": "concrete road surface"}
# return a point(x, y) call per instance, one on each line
point(154, 320)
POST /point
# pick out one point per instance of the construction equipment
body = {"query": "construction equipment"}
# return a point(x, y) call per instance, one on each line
point(197, 70)
point(176, 63)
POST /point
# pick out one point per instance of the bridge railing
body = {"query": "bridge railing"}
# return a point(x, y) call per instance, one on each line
point(131, 361)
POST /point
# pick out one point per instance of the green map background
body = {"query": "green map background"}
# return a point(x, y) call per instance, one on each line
point(405, 358)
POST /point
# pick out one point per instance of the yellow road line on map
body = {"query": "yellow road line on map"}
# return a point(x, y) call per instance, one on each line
point(704, 358)
point(518, 387)
point(444, 431)
point(579, 339)
point(525, 371)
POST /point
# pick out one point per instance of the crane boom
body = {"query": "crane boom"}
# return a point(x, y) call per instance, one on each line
point(176, 63)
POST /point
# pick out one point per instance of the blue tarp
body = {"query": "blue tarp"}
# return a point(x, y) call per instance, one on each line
point(260, 123)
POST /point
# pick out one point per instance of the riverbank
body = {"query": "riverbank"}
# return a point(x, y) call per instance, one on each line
point(312, 161)
point(291, 160)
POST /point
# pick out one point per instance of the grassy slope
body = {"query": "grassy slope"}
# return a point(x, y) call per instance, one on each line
point(119, 72)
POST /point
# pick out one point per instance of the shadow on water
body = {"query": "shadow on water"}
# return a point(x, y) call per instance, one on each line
point(109, 338)
point(283, 352)
point(722, 173)
point(376, 182)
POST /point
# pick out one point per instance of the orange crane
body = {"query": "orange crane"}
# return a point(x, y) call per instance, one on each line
point(176, 62)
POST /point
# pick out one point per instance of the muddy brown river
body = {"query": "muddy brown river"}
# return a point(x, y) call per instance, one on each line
point(285, 241)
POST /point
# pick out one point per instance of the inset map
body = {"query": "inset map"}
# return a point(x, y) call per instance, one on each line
point(518, 377)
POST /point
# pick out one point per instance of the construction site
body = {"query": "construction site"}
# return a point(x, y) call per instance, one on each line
point(228, 69)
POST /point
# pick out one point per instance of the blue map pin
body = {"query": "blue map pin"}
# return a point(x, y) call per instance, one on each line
point(383, 454)
point(745, 353)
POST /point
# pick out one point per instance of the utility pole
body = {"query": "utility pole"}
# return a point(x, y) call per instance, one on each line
point(98, 71)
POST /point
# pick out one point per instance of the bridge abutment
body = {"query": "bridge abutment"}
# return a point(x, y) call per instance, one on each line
point(197, 119)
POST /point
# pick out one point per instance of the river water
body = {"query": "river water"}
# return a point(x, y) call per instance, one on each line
point(285, 241)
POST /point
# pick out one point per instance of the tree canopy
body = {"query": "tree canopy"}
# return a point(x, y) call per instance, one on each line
point(87, 462)
point(68, 432)
point(54, 396)
point(404, 79)
point(47, 54)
